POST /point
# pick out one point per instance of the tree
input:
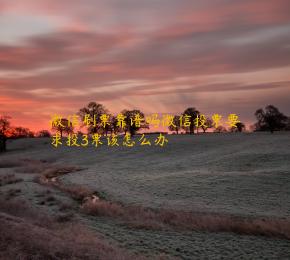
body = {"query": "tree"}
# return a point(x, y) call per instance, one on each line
point(4, 131)
point(63, 126)
point(287, 127)
point(21, 132)
point(106, 126)
point(208, 124)
point(114, 125)
point(240, 127)
point(193, 114)
point(131, 126)
point(92, 110)
point(270, 119)
point(220, 129)
point(43, 134)
point(176, 124)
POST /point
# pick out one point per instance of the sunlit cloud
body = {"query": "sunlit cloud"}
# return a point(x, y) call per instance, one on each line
point(162, 55)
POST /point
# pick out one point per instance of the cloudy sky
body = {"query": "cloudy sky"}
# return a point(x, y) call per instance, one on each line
point(161, 56)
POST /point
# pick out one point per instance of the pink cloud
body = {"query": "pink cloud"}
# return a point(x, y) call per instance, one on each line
point(152, 44)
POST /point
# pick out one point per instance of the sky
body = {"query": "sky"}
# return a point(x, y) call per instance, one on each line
point(160, 56)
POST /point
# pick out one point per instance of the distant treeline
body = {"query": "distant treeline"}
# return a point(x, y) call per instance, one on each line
point(268, 119)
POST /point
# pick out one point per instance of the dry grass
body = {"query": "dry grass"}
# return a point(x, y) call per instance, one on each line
point(31, 167)
point(26, 234)
point(66, 217)
point(77, 192)
point(12, 193)
point(19, 208)
point(9, 179)
point(66, 206)
point(7, 163)
point(46, 169)
point(145, 218)
point(141, 217)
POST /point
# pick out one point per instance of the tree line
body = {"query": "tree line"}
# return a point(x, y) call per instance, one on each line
point(268, 119)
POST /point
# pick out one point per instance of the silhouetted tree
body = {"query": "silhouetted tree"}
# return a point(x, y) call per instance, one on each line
point(129, 116)
point(21, 132)
point(4, 130)
point(220, 129)
point(114, 125)
point(208, 124)
point(240, 127)
point(43, 134)
point(176, 126)
point(93, 109)
point(107, 127)
point(287, 127)
point(65, 126)
point(270, 119)
point(80, 133)
point(192, 113)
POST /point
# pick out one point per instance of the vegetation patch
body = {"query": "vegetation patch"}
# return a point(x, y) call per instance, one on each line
point(27, 234)
point(9, 179)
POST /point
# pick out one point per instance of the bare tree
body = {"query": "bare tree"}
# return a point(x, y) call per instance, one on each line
point(4, 130)
point(208, 124)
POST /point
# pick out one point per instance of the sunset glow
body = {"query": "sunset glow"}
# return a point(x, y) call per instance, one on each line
point(159, 56)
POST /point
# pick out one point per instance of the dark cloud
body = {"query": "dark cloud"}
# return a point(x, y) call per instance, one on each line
point(54, 48)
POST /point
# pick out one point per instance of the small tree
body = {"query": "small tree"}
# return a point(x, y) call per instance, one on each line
point(208, 124)
point(106, 126)
point(240, 127)
point(4, 130)
point(21, 132)
point(114, 125)
point(220, 129)
point(43, 134)
point(64, 126)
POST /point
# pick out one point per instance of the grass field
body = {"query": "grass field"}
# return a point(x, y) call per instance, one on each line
point(214, 178)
